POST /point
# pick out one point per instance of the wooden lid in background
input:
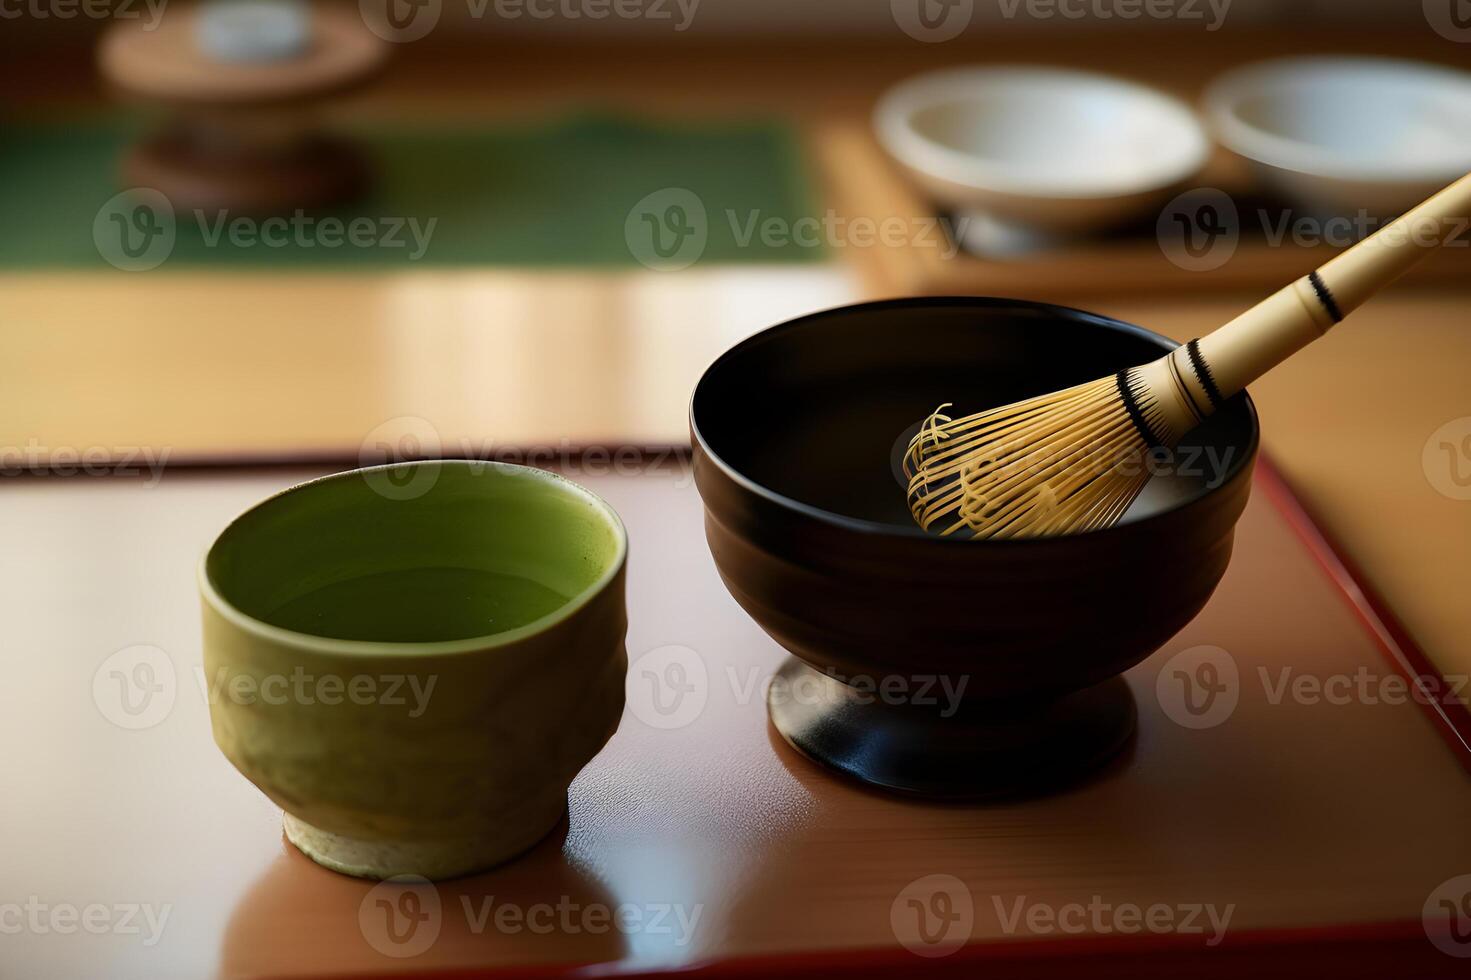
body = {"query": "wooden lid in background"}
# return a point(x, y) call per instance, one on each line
point(167, 64)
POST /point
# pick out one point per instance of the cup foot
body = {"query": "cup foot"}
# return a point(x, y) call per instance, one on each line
point(980, 751)
point(317, 173)
point(433, 859)
point(989, 237)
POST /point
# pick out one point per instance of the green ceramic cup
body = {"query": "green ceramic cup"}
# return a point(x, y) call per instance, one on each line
point(415, 660)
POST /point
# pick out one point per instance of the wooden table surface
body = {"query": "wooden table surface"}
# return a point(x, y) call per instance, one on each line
point(504, 365)
point(249, 366)
point(212, 366)
point(1292, 816)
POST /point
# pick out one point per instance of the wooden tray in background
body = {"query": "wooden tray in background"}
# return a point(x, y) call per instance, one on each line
point(862, 181)
point(1328, 827)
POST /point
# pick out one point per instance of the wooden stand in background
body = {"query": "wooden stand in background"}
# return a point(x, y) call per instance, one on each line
point(242, 135)
point(864, 181)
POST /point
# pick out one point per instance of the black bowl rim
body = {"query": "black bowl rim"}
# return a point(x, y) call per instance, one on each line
point(862, 526)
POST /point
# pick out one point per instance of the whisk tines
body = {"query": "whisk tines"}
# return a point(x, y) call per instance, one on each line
point(1074, 460)
point(1064, 462)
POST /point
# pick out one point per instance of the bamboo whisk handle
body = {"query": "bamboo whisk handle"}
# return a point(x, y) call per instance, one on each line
point(1244, 349)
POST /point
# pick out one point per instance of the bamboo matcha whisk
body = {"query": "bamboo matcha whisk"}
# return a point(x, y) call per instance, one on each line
point(1072, 460)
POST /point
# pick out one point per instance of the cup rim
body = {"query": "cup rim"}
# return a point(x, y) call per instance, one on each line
point(894, 114)
point(916, 534)
point(330, 645)
point(1274, 77)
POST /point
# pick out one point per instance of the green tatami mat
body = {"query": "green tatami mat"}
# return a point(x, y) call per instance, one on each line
point(574, 191)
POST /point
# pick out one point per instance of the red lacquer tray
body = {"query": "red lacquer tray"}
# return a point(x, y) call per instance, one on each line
point(1283, 822)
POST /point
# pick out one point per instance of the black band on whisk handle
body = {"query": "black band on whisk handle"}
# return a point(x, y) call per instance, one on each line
point(1262, 337)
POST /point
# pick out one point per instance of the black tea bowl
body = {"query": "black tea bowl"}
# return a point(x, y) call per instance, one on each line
point(942, 666)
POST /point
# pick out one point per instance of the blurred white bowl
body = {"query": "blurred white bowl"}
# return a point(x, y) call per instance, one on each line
point(1049, 151)
point(1340, 135)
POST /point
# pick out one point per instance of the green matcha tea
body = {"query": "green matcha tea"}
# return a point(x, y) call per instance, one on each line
point(421, 605)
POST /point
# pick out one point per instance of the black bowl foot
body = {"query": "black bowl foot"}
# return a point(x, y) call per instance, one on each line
point(981, 750)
